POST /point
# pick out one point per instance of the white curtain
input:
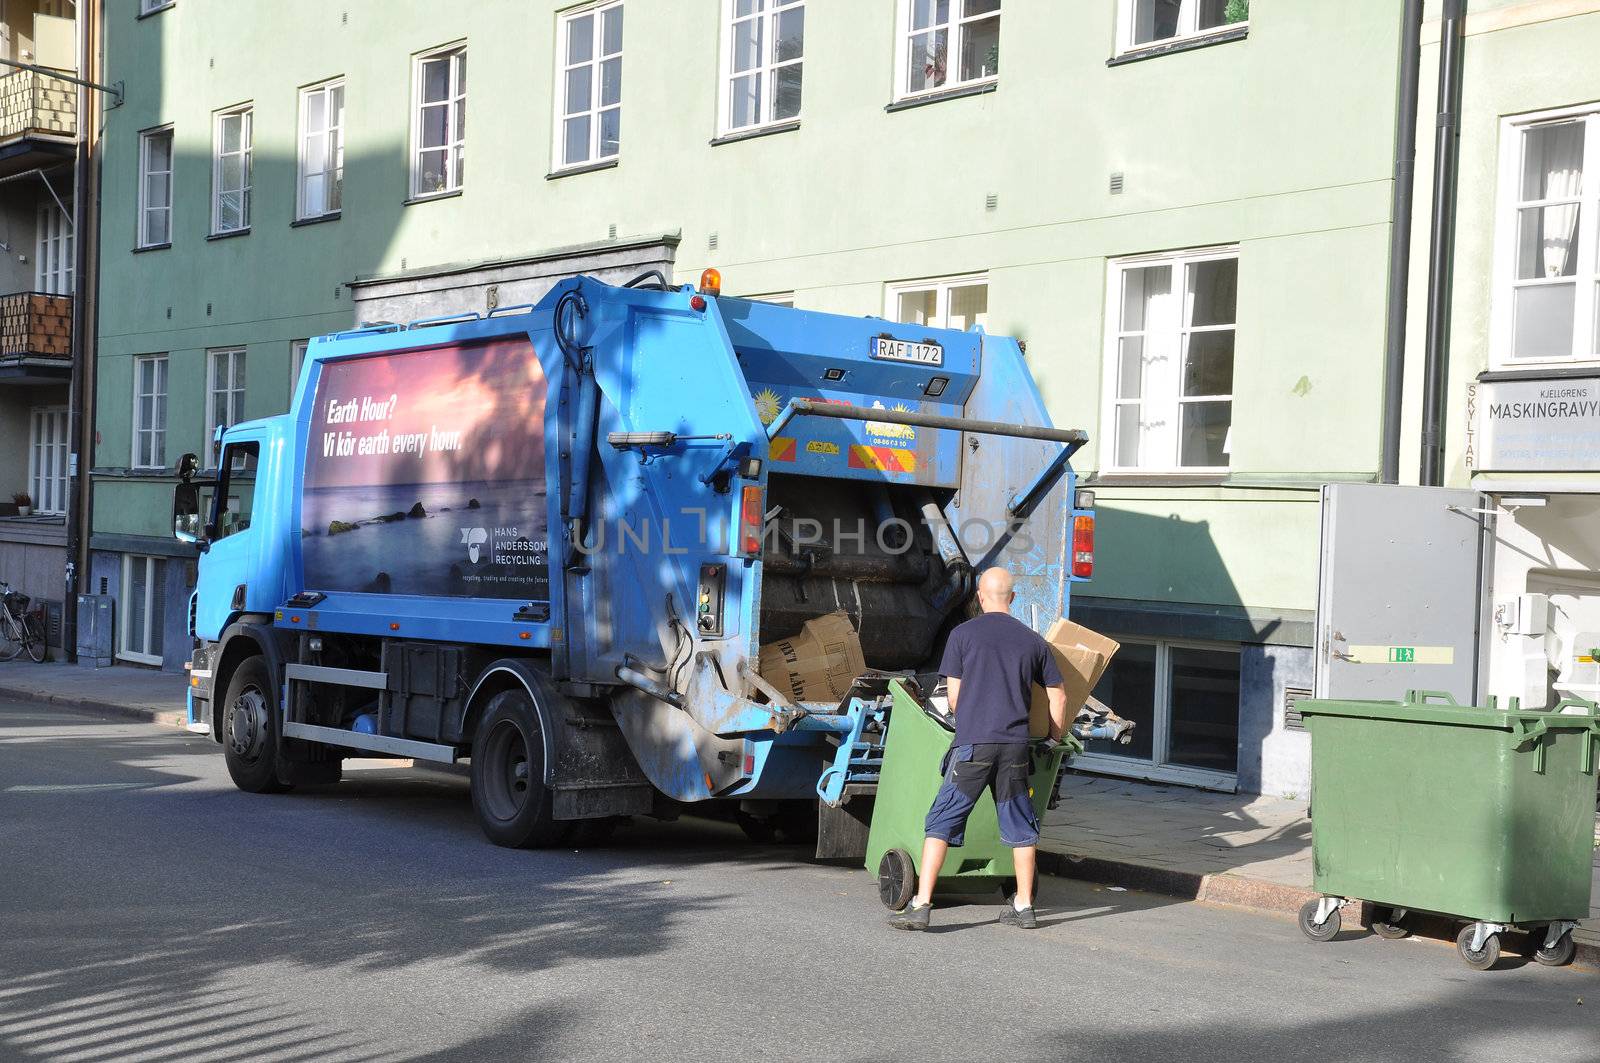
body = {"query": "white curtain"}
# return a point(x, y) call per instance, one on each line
point(1559, 163)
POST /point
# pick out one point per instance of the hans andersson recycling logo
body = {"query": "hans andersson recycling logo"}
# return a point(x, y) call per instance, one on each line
point(473, 539)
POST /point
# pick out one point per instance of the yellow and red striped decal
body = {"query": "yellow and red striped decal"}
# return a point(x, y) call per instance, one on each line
point(783, 449)
point(882, 459)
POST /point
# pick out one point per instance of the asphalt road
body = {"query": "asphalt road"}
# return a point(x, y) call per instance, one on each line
point(149, 911)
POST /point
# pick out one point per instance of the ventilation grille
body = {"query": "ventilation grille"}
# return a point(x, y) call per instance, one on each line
point(712, 241)
point(1116, 184)
point(1292, 720)
point(611, 232)
point(52, 623)
point(991, 202)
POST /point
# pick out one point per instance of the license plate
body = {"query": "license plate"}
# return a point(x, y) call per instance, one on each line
point(893, 350)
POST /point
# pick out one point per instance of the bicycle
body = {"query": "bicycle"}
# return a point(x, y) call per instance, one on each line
point(19, 629)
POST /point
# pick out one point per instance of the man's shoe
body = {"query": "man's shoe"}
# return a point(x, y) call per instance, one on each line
point(911, 917)
point(1024, 919)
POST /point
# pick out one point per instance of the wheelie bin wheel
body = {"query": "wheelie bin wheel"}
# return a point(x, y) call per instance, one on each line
point(1390, 929)
point(897, 879)
point(1323, 931)
point(1485, 957)
point(1558, 955)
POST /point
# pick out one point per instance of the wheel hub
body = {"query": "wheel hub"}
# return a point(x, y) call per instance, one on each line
point(247, 724)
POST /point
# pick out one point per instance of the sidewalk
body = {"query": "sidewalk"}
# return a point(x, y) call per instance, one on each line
point(123, 690)
point(1223, 848)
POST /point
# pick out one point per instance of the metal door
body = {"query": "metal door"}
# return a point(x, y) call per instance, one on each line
point(1401, 590)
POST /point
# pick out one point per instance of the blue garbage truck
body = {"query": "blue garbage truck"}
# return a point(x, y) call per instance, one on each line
point(552, 542)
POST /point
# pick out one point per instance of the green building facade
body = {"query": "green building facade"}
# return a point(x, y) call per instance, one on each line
point(1181, 206)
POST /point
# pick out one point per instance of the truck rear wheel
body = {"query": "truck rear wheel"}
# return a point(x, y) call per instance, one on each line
point(508, 791)
point(250, 730)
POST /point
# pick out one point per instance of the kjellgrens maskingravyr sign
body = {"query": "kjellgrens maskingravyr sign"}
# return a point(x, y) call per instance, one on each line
point(1538, 426)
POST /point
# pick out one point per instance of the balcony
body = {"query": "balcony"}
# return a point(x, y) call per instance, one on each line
point(38, 120)
point(35, 338)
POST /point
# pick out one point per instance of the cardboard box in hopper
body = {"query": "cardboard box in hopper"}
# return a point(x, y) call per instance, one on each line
point(819, 664)
point(1082, 655)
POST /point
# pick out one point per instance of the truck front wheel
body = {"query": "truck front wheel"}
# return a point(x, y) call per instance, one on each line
point(508, 791)
point(250, 734)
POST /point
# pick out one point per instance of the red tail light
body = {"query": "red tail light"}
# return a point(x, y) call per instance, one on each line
point(750, 513)
point(1083, 546)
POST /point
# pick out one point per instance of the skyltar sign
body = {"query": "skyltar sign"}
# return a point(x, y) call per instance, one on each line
point(1537, 426)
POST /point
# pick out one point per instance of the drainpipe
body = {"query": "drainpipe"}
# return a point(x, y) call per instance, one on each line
point(85, 296)
point(1405, 179)
point(1447, 146)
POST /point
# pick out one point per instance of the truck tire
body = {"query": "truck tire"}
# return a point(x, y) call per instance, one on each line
point(508, 791)
point(250, 729)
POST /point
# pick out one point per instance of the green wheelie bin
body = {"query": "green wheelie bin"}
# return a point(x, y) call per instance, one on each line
point(913, 747)
point(1473, 812)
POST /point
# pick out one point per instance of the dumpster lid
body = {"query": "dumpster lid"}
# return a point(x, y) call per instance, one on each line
point(1431, 706)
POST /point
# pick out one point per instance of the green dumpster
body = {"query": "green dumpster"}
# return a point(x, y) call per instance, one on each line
point(913, 748)
point(1424, 805)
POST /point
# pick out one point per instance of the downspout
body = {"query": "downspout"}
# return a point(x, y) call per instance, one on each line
point(1447, 150)
point(1405, 179)
point(86, 285)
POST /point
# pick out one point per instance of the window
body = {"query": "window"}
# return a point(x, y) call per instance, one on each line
point(234, 499)
point(144, 608)
point(588, 125)
point(150, 7)
point(53, 250)
point(932, 31)
point(1185, 699)
point(1169, 358)
point(230, 174)
point(150, 412)
point(776, 299)
point(155, 188)
point(1546, 306)
point(1148, 22)
point(439, 135)
point(321, 188)
point(763, 44)
point(958, 303)
point(297, 359)
point(224, 393)
point(47, 460)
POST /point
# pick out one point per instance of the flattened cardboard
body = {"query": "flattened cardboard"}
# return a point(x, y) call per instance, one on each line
point(819, 664)
point(1082, 655)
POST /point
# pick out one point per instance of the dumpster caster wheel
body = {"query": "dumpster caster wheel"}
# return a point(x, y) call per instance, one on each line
point(1487, 954)
point(897, 879)
point(1560, 954)
point(1323, 931)
point(1391, 930)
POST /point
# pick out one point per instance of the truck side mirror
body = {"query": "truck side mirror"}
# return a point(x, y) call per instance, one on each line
point(186, 526)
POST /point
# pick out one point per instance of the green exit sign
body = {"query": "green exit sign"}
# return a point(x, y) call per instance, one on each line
point(1402, 654)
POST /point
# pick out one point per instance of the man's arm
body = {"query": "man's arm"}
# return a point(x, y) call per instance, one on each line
point(1058, 710)
point(952, 687)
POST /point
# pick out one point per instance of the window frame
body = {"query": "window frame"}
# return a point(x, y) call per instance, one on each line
point(55, 245)
point(455, 141)
point(766, 67)
point(1160, 767)
point(246, 113)
point(1113, 335)
point(941, 286)
point(297, 360)
point(335, 159)
point(1507, 206)
point(158, 436)
point(596, 62)
point(150, 7)
point(58, 448)
point(141, 231)
point(238, 366)
point(957, 24)
point(153, 566)
point(1188, 16)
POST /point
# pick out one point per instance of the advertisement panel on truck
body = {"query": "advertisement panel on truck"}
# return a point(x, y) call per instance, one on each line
point(425, 474)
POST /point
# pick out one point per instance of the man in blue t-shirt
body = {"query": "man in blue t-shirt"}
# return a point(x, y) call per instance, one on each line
point(991, 663)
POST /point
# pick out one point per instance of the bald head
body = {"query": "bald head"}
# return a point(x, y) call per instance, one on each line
point(994, 590)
